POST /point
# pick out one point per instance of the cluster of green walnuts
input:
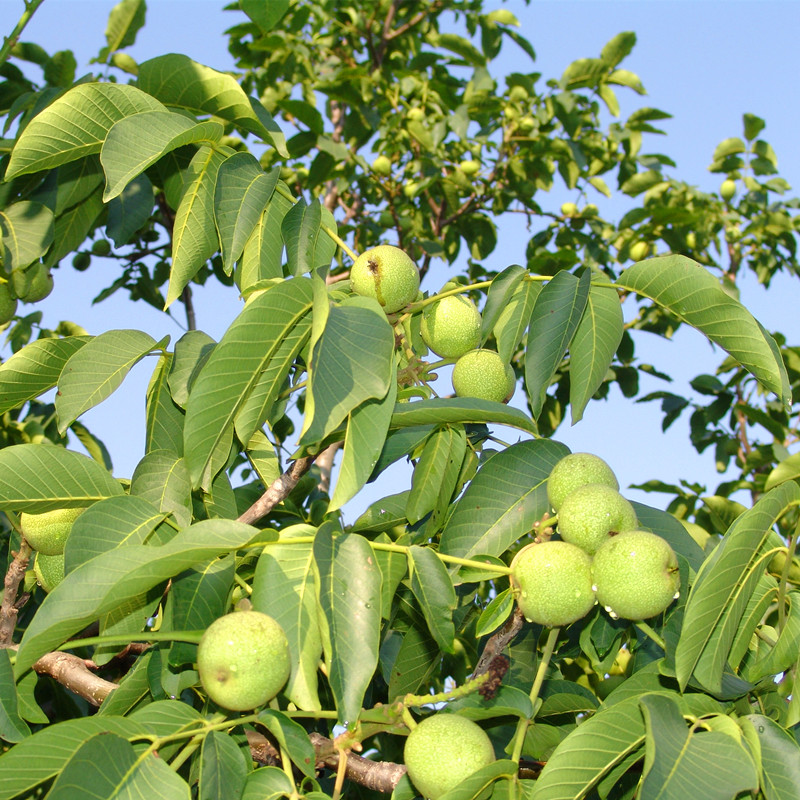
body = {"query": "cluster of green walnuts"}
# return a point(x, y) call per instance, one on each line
point(602, 556)
point(450, 326)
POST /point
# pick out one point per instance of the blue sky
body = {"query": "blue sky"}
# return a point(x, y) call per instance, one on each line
point(706, 63)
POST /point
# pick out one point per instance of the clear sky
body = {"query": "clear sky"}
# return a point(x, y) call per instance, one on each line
point(706, 63)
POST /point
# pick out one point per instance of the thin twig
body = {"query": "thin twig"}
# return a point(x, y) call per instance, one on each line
point(11, 40)
point(278, 490)
point(9, 608)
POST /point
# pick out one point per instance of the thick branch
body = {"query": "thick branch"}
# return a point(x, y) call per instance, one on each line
point(325, 465)
point(277, 491)
point(74, 673)
point(499, 641)
point(10, 606)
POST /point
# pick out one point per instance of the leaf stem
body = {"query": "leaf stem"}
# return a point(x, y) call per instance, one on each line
point(13, 37)
point(191, 637)
point(650, 633)
point(522, 725)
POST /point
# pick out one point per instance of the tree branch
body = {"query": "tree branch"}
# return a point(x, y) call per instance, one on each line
point(277, 491)
point(9, 608)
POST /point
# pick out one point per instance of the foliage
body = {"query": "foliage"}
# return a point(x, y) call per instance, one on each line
point(270, 183)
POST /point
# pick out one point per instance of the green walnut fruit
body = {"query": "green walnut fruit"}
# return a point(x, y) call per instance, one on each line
point(48, 532)
point(483, 374)
point(443, 750)
point(415, 114)
point(49, 570)
point(410, 189)
point(102, 247)
point(81, 261)
point(635, 575)
point(382, 166)
point(470, 167)
point(569, 210)
point(243, 660)
point(728, 189)
point(451, 326)
point(553, 583)
point(8, 303)
point(778, 564)
point(518, 94)
point(639, 251)
point(592, 513)
point(386, 273)
point(575, 470)
point(40, 286)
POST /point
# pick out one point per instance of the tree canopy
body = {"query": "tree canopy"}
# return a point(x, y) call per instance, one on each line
point(344, 128)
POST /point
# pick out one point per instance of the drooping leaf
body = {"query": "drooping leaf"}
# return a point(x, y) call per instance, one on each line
point(163, 419)
point(780, 758)
point(38, 477)
point(261, 258)
point(292, 738)
point(447, 410)
point(137, 141)
point(234, 368)
point(350, 598)
point(503, 500)
point(352, 362)
point(128, 212)
point(284, 587)
point(696, 297)
point(97, 369)
point(241, 195)
point(433, 588)
point(162, 478)
point(75, 125)
point(558, 310)
point(124, 22)
point(593, 345)
point(178, 81)
point(13, 728)
point(367, 427)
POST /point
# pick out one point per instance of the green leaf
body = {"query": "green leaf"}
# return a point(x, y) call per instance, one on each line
point(502, 502)
point(265, 15)
point(618, 48)
point(242, 192)
point(753, 125)
point(443, 411)
point(558, 310)
point(223, 770)
point(479, 781)
point(73, 226)
point(593, 346)
point(780, 758)
point(42, 756)
point(110, 523)
point(191, 353)
point(292, 737)
point(35, 369)
point(284, 588)
point(178, 81)
point(507, 701)
point(261, 258)
point(352, 362)
point(75, 125)
point(367, 427)
point(197, 597)
point(107, 766)
point(495, 614)
point(515, 317)
point(27, 229)
point(97, 369)
point(234, 368)
point(443, 446)
point(137, 141)
point(129, 212)
point(696, 297)
point(350, 598)
point(163, 418)
point(433, 588)
point(39, 477)
point(162, 478)
point(268, 783)
point(503, 288)
point(124, 22)
point(416, 659)
point(13, 728)
point(112, 578)
point(723, 588)
point(784, 654)
point(681, 762)
point(786, 470)
point(194, 235)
